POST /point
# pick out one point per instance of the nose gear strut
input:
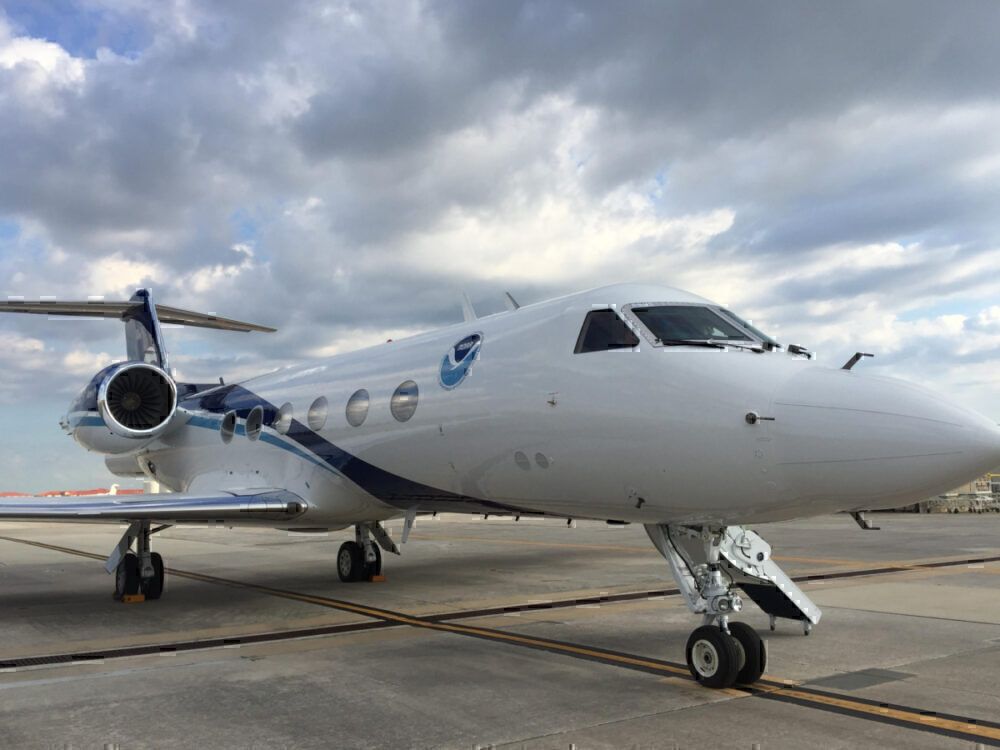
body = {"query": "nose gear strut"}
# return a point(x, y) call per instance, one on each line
point(708, 562)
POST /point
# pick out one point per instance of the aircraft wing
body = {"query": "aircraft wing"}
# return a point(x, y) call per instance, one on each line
point(245, 505)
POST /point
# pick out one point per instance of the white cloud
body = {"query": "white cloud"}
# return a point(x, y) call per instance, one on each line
point(84, 363)
point(117, 276)
point(42, 62)
point(38, 72)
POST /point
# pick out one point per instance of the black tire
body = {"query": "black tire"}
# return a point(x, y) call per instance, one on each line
point(153, 587)
point(712, 657)
point(351, 562)
point(127, 576)
point(753, 654)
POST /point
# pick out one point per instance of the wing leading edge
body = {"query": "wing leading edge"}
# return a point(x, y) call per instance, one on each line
point(250, 505)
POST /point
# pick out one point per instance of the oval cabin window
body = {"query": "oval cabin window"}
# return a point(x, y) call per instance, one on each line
point(255, 420)
point(357, 408)
point(404, 401)
point(283, 419)
point(317, 414)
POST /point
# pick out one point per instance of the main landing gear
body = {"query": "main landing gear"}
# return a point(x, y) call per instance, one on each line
point(707, 563)
point(361, 560)
point(139, 572)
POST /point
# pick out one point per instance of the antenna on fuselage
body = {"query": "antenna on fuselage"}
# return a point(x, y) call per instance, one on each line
point(467, 309)
point(510, 302)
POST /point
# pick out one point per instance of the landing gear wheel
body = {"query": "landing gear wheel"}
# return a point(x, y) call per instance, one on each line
point(152, 588)
point(713, 657)
point(351, 562)
point(753, 654)
point(127, 576)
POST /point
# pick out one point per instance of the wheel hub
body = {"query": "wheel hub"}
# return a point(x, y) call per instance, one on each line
point(344, 561)
point(705, 659)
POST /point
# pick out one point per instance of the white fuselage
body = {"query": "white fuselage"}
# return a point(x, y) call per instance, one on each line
point(650, 434)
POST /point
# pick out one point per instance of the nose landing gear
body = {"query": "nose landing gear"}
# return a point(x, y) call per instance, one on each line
point(707, 562)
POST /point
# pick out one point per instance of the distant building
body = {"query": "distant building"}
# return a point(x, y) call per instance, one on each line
point(149, 488)
point(979, 486)
point(981, 495)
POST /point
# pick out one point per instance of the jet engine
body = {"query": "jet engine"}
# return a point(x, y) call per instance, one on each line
point(137, 400)
point(123, 407)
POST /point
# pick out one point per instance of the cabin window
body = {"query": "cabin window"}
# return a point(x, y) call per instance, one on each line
point(357, 408)
point(404, 401)
point(603, 330)
point(228, 427)
point(255, 421)
point(317, 414)
point(283, 419)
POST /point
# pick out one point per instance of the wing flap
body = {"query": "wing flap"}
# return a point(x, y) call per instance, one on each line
point(251, 505)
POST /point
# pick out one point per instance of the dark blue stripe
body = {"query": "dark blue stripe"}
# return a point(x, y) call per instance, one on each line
point(386, 486)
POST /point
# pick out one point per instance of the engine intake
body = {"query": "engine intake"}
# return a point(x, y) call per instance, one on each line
point(137, 400)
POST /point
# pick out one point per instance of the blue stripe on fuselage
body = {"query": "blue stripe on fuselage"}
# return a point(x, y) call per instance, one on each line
point(384, 485)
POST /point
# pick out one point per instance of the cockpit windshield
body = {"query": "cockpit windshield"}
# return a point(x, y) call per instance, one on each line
point(755, 331)
point(684, 323)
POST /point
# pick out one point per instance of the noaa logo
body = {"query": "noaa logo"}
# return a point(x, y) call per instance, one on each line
point(458, 361)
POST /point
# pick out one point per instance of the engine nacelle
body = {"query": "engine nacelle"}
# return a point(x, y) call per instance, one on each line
point(123, 406)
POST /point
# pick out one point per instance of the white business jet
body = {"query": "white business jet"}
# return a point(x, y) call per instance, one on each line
point(630, 404)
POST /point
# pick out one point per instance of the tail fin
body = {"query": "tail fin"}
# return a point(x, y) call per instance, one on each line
point(143, 337)
point(142, 318)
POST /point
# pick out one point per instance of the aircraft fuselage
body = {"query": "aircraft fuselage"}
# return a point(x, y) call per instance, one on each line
point(650, 434)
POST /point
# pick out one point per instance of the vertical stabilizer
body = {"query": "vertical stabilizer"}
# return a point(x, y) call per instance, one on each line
point(143, 337)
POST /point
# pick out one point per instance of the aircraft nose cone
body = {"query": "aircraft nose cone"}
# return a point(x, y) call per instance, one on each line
point(854, 441)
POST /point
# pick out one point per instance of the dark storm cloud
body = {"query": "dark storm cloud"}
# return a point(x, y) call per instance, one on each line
point(733, 68)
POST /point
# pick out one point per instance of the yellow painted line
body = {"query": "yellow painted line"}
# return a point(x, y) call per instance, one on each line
point(910, 717)
point(913, 718)
point(419, 622)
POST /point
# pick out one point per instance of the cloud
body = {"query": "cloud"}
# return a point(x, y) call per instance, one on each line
point(344, 171)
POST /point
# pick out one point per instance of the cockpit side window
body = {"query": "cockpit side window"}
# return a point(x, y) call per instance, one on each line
point(687, 323)
point(603, 330)
point(754, 330)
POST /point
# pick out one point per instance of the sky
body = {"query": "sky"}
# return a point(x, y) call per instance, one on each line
point(345, 170)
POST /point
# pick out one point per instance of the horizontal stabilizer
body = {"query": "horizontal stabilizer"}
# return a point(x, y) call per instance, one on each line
point(263, 504)
point(124, 310)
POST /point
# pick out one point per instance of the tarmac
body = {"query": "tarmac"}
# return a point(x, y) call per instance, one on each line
point(494, 634)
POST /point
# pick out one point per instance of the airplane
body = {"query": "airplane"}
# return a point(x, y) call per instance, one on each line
point(631, 403)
